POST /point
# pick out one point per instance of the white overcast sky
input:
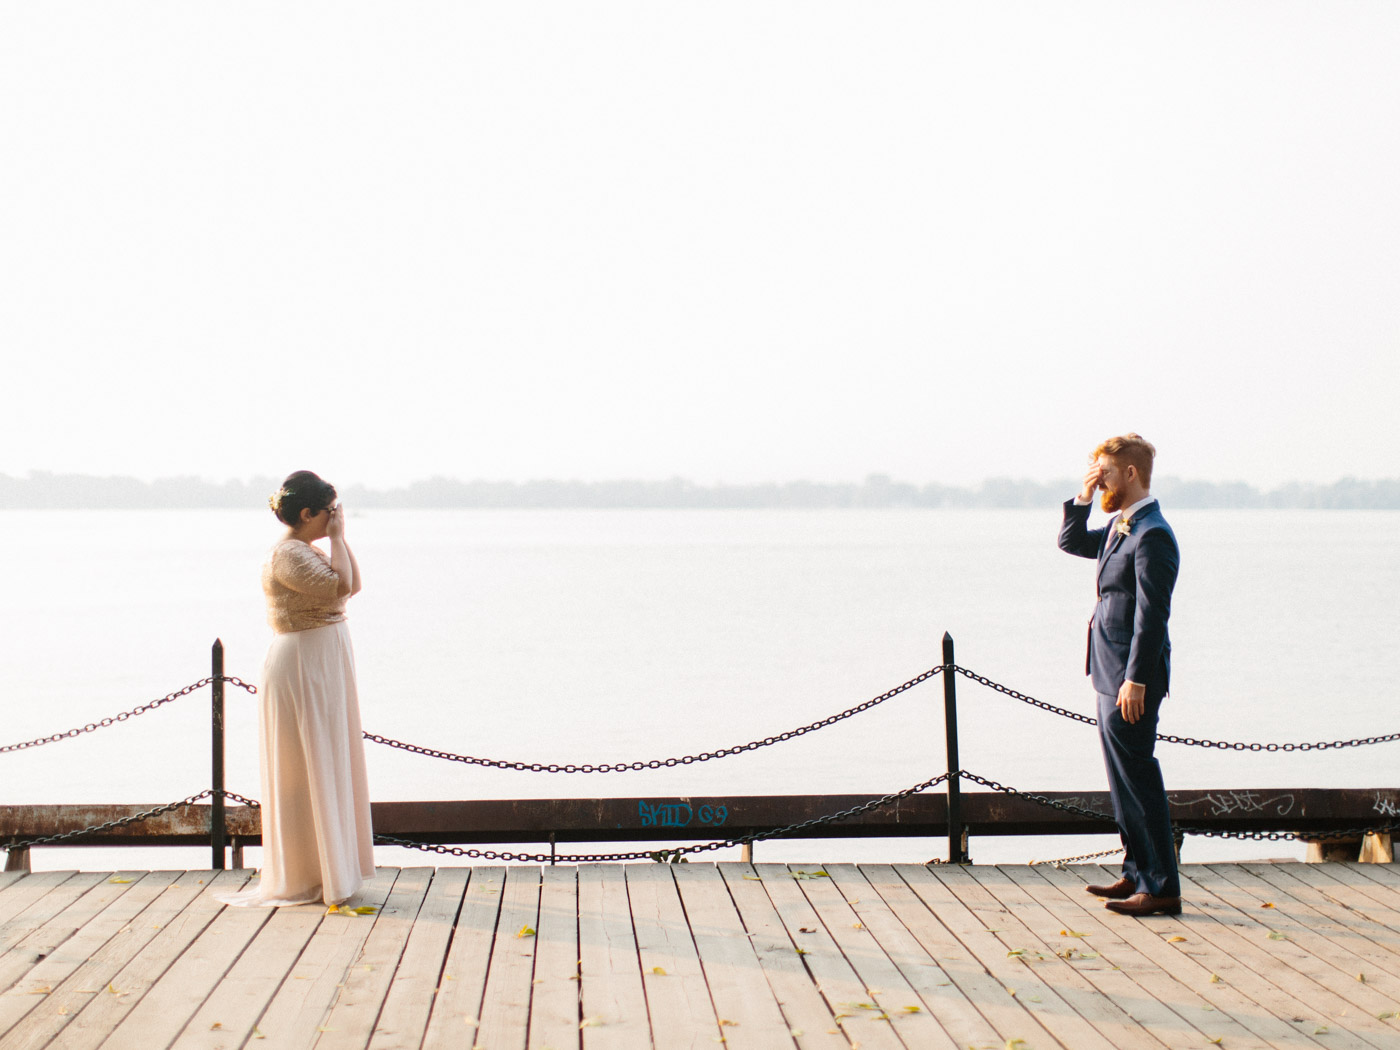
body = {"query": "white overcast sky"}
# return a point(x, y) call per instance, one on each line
point(728, 241)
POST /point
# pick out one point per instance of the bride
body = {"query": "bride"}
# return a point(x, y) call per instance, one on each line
point(316, 837)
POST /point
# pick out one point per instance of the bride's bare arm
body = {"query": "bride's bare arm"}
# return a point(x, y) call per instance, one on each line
point(354, 569)
point(342, 561)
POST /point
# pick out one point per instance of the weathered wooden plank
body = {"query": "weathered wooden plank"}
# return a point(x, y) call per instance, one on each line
point(91, 977)
point(889, 997)
point(833, 974)
point(50, 929)
point(1339, 997)
point(1041, 971)
point(175, 987)
point(1122, 978)
point(101, 914)
point(456, 1013)
point(40, 907)
point(1352, 907)
point(1225, 1012)
point(404, 1018)
point(978, 926)
point(505, 1012)
point(289, 1004)
point(678, 1000)
point(929, 974)
point(748, 1014)
point(1305, 928)
point(684, 818)
point(23, 891)
point(1241, 962)
point(365, 983)
point(102, 1007)
point(810, 1022)
point(1376, 943)
point(554, 1010)
point(613, 1002)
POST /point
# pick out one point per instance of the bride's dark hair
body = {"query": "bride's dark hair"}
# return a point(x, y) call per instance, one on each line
point(301, 490)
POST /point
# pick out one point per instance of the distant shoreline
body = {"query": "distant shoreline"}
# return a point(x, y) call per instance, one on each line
point(45, 491)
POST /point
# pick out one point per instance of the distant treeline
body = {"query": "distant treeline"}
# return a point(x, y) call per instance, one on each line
point(45, 491)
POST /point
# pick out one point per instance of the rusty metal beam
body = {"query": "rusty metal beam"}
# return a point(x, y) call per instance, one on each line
point(702, 818)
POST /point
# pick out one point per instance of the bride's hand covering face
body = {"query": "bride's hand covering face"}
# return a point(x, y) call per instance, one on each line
point(335, 527)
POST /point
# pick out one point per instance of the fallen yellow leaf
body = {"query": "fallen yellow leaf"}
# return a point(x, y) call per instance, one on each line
point(118, 881)
point(724, 1021)
point(857, 926)
point(590, 1022)
point(659, 971)
point(366, 909)
point(41, 991)
point(1267, 904)
point(1274, 935)
point(1175, 940)
point(525, 931)
point(1215, 978)
point(911, 1009)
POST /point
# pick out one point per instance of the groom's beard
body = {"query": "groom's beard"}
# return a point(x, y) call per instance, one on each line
point(1111, 500)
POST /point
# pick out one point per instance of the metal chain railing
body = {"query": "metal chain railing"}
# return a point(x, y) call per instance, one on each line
point(133, 713)
point(1169, 738)
point(1190, 829)
point(655, 763)
point(135, 818)
point(665, 854)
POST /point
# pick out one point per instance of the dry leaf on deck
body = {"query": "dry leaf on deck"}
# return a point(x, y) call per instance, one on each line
point(659, 971)
point(525, 931)
point(1175, 939)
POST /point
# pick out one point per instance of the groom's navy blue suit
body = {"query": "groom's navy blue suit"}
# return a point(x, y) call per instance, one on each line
point(1128, 641)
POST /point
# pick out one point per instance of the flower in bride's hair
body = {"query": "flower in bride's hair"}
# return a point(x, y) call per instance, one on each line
point(275, 500)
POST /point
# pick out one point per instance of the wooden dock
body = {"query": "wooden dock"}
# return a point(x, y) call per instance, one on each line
point(762, 956)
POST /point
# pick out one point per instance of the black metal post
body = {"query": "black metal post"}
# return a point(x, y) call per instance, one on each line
point(216, 813)
point(957, 844)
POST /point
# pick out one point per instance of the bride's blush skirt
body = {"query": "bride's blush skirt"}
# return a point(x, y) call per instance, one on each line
point(316, 837)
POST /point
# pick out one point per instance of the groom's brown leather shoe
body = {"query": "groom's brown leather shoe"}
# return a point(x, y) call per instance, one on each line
point(1119, 891)
point(1146, 904)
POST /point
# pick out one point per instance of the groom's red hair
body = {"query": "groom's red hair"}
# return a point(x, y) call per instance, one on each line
point(1130, 448)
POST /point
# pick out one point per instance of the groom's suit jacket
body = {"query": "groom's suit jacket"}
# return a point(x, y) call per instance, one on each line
point(1128, 638)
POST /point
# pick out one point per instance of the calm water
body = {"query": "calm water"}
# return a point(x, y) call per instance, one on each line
point(605, 635)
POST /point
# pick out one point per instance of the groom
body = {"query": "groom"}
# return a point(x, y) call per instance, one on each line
point(1129, 661)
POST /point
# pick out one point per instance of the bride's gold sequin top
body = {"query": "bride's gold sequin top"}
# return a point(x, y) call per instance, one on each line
point(300, 586)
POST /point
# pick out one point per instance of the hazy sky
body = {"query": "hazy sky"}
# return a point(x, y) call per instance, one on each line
point(730, 241)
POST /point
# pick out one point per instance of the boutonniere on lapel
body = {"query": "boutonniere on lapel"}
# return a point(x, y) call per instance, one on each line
point(1124, 528)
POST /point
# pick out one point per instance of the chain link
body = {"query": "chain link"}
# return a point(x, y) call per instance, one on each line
point(1062, 861)
point(133, 713)
point(655, 763)
point(672, 855)
point(1190, 741)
